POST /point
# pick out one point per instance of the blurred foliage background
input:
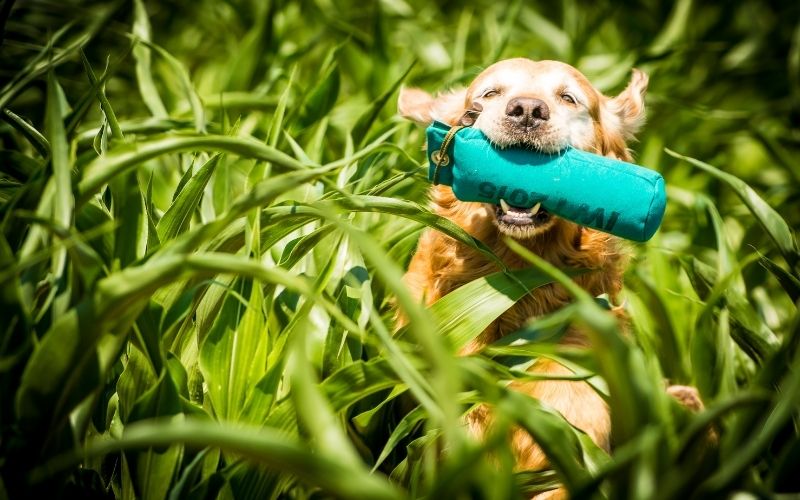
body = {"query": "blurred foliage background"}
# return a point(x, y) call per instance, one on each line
point(206, 208)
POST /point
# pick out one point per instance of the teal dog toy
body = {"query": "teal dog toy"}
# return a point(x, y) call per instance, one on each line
point(612, 196)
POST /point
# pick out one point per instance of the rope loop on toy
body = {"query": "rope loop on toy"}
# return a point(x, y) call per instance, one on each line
point(440, 157)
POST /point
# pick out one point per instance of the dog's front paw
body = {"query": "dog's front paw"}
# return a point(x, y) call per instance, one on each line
point(687, 396)
point(556, 494)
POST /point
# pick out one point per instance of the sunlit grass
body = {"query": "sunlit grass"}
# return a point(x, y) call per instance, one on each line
point(207, 208)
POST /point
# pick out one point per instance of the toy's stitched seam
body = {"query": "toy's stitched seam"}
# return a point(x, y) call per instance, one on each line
point(649, 214)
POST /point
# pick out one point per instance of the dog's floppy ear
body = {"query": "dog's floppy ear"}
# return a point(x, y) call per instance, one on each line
point(421, 107)
point(628, 106)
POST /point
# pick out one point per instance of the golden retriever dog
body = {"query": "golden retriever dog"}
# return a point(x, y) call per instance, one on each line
point(543, 105)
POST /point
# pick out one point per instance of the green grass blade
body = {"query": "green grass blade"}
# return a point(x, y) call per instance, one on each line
point(774, 225)
point(297, 249)
point(636, 406)
point(356, 381)
point(410, 421)
point(258, 444)
point(418, 213)
point(57, 371)
point(321, 99)
point(232, 356)
point(445, 380)
point(176, 217)
point(368, 117)
point(59, 160)
point(263, 193)
point(276, 124)
point(101, 170)
point(132, 223)
point(48, 58)
point(108, 111)
point(464, 313)
point(789, 282)
point(153, 469)
point(186, 84)
point(554, 434)
point(37, 140)
point(313, 410)
point(35, 67)
point(753, 335)
point(144, 75)
point(781, 412)
point(64, 202)
point(674, 29)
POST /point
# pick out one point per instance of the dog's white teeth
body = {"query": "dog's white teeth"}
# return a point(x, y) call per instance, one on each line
point(505, 206)
point(536, 208)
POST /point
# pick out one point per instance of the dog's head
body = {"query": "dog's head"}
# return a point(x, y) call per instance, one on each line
point(543, 105)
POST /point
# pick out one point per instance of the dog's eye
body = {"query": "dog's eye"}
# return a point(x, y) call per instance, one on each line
point(490, 93)
point(568, 98)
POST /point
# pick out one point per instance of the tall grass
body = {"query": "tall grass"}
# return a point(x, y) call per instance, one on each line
point(207, 208)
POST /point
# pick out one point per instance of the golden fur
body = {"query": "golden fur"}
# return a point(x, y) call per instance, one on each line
point(594, 123)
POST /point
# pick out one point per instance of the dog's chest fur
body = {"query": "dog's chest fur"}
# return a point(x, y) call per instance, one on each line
point(443, 264)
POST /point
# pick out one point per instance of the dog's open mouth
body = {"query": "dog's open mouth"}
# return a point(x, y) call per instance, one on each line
point(521, 217)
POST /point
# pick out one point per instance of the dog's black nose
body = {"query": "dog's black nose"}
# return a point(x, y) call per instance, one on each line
point(527, 111)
